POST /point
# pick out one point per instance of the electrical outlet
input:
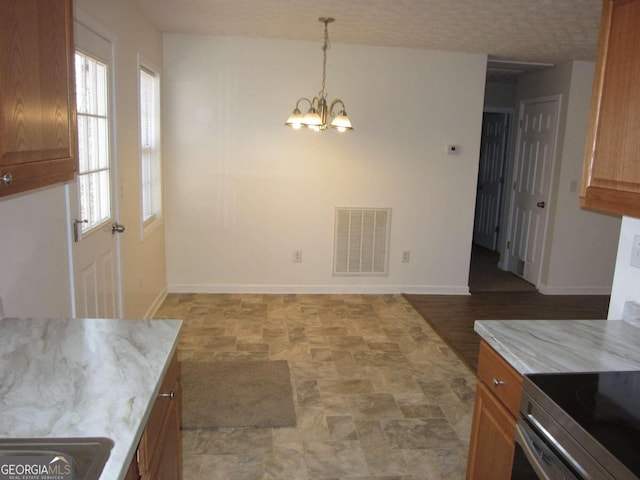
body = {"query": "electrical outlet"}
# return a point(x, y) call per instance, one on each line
point(406, 256)
point(635, 252)
point(297, 256)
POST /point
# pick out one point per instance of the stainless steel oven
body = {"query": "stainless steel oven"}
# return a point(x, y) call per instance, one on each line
point(537, 458)
point(572, 427)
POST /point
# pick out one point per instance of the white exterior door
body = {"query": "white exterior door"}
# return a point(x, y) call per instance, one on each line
point(92, 197)
point(490, 171)
point(535, 155)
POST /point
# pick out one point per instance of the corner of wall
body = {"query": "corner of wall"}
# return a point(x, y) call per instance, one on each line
point(626, 277)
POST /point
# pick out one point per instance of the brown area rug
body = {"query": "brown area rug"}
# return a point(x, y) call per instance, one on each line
point(236, 394)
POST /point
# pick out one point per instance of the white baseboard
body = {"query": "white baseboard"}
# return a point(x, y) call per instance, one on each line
point(155, 305)
point(320, 289)
point(547, 290)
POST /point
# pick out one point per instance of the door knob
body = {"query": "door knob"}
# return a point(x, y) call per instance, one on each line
point(117, 228)
point(7, 179)
point(540, 204)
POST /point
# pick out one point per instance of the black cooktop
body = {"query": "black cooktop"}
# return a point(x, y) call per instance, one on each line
point(605, 404)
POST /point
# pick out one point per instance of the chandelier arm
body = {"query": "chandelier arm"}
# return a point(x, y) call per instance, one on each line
point(333, 104)
point(305, 99)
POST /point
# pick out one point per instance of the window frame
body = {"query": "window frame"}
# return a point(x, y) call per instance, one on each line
point(155, 220)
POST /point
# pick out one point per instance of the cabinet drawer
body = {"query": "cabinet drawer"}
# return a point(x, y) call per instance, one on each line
point(152, 432)
point(500, 378)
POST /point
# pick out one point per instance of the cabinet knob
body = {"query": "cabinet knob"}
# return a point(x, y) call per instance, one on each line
point(171, 394)
point(7, 179)
point(497, 383)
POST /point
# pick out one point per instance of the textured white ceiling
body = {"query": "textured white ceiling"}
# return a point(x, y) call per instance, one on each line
point(548, 31)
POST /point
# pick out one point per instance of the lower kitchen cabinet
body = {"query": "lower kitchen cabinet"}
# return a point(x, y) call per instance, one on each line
point(160, 449)
point(170, 454)
point(494, 418)
point(133, 473)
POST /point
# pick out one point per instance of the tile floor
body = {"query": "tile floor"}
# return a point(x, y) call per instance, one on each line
point(378, 394)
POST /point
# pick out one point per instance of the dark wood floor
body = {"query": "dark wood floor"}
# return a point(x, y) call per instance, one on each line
point(485, 276)
point(452, 316)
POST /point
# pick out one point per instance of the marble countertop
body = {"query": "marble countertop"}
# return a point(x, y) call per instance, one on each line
point(83, 378)
point(542, 346)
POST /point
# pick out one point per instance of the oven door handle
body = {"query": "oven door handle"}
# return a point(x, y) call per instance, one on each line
point(523, 440)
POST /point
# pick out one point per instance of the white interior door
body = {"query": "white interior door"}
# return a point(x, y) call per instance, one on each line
point(535, 154)
point(490, 170)
point(92, 197)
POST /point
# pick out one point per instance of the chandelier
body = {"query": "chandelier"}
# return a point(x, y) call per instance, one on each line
point(318, 113)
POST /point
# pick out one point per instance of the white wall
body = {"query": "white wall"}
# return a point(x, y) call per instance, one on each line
point(583, 247)
point(626, 281)
point(34, 273)
point(142, 260)
point(500, 95)
point(580, 245)
point(245, 191)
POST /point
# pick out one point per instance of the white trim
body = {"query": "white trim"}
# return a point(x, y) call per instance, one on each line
point(546, 290)
point(319, 289)
point(155, 305)
point(70, 263)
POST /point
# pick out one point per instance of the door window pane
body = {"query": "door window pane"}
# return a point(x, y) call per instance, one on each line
point(93, 140)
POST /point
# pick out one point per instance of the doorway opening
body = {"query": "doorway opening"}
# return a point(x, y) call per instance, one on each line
point(485, 275)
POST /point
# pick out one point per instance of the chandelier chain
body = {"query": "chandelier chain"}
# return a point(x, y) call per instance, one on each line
point(325, 47)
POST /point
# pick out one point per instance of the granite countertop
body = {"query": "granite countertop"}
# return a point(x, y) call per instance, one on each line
point(542, 346)
point(83, 378)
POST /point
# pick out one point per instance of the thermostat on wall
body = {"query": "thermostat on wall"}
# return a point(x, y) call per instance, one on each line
point(453, 149)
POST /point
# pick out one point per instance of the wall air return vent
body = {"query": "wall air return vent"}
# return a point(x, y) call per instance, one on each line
point(361, 241)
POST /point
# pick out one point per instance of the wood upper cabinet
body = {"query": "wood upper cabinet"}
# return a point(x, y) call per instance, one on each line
point(611, 177)
point(37, 99)
point(494, 418)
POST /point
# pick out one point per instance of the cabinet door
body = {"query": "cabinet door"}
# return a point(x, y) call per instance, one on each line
point(611, 180)
point(133, 472)
point(170, 466)
point(37, 103)
point(167, 458)
point(152, 438)
point(492, 438)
